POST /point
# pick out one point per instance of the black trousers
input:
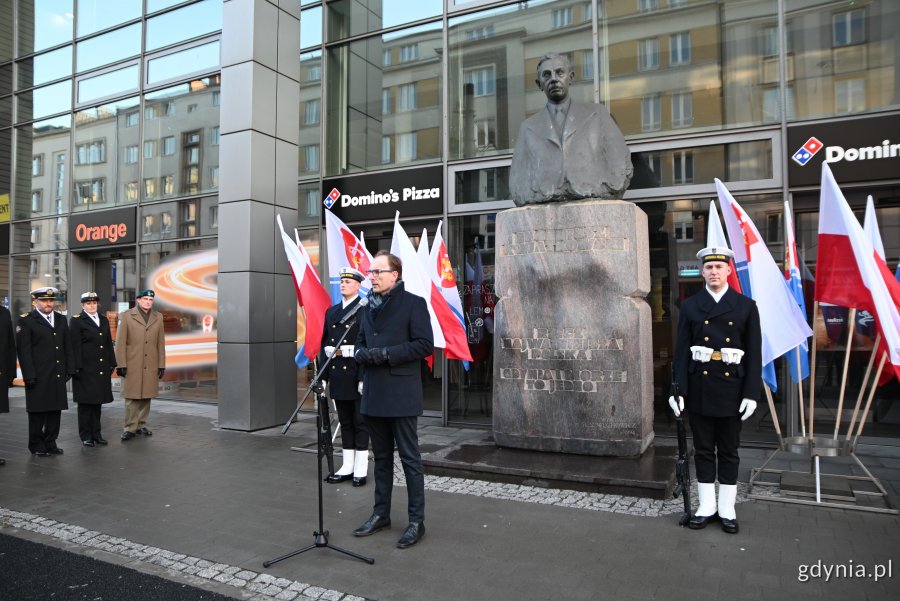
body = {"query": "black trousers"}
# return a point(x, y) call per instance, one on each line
point(43, 430)
point(89, 421)
point(716, 442)
point(354, 433)
point(386, 431)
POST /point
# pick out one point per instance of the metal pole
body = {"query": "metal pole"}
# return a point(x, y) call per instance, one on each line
point(840, 408)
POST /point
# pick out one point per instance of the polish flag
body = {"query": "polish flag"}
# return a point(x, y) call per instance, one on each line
point(441, 273)
point(849, 271)
point(310, 295)
point(344, 250)
point(715, 238)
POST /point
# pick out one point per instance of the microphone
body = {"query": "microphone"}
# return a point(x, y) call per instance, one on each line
point(362, 303)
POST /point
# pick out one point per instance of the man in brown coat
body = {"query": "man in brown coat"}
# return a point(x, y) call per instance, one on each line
point(141, 360)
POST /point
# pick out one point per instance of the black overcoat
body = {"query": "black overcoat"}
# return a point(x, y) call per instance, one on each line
point(7, 357)
point(715, 389)
point(403, 327)
point(344, 373)
point(93, 358)
point(44, 356)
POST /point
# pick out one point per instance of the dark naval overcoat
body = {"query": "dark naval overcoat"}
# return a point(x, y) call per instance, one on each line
point(343, 373)
point(44, 356)
point(93, 358)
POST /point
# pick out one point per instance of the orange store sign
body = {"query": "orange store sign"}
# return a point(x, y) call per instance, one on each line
point(102, 229)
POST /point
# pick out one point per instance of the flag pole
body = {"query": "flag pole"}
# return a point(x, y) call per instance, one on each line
point(812, 371)
point(865, 414)
point(800, 390)
point(862, 388)
point(840, 408)
point(774, 415)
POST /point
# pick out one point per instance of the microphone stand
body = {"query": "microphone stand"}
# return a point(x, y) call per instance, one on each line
point(325, 449)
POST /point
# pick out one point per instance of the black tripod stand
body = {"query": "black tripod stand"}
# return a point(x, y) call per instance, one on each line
point(325, 449)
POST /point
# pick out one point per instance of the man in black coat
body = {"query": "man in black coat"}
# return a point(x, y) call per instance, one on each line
point(42, 337)
point(395, 335)
point(93, 361)
point(718, 368)
point(344, 378)
point(7, 360)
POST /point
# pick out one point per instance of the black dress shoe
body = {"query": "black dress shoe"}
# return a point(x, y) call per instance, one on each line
point(730, 526)
point(87, 443)
point(40, 453)
point(698, 522)
point(414, 533)
point(126, 435)
point(335, 478)
point(374, 524)
point(357, 482)
point(101, 440)
point(145, 432)
point(56, 451)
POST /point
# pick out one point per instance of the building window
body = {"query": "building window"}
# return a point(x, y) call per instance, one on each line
point(37, 201)
point(562, 17)
point(849, 27)
point(482, 80)
point(485, 134)
point(132, 119)
point(646, 6)
point(586, 11)
point(683, 167)
point(214, 136)
point(35, 234)
point(683, 222)
point(165, 223)
point(90, 153)
point(131, 154)
point(216, 98)
point(314, 73)
point(170, 109)
point(849, 96)
point(149, 188)
point(214, 217)
point(131, 191)
point(654, 161)
point(311, 157)
point(60, 175)
point(674, 3)
point(682, 110)
point(479, 33)
point(406, 147)
point(650, 113)
point(648, 54)
point(37, 165)
point(406, 98)
point(409, 52)
point(168, 145)
point(148, 225)
point(772, 104)
point(385, 102)
point(385, 150)
point(90, 191)
point(149, 113)
point(386, 57)
point(214, 177)
point(168, 185)
point(680, 48)
point(149, 149)
point(311, 112)
point(587, 65)
point(33, 266)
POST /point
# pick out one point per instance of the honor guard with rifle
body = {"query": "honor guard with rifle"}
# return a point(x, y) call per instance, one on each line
point(718, 368)
point(343, 378)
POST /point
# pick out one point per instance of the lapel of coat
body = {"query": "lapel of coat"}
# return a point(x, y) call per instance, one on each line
point(725, 304)
point(43, 320)
point(575, 118)
point(544, 127)
point(87, 318)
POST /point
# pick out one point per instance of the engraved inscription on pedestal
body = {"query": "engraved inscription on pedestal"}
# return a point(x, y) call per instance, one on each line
point(572, 347)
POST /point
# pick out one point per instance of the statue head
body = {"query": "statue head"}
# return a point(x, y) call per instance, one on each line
point(554, 76)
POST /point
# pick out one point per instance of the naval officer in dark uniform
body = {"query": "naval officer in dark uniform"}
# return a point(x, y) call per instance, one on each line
point(7, 360)
point(343, 379)
point(718, 368)
point(42, 337)
point(93, 360)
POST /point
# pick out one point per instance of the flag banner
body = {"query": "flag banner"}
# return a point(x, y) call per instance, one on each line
point(440, 271)
point(783, 325)
point(715, 237)
point(344, 250)
point(865, 321)
point(414, 276)
point(849, 271)
point(795, 283)
point(310, 295)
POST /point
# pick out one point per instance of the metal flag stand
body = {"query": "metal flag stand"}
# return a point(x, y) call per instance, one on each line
point(817, 488)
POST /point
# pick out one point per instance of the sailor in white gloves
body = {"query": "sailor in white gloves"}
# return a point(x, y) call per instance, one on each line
point(718, 367)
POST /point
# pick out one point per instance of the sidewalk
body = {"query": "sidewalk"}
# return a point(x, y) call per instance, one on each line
point(207, 506)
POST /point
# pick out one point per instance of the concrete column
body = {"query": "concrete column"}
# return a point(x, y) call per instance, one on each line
point(258, 178)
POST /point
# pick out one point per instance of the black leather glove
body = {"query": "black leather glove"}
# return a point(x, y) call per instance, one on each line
point(29, 384)
point(122, 372)
point(160, 372)
point(378, 356)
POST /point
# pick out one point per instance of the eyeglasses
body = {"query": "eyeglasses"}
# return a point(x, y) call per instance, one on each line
point(378, 271)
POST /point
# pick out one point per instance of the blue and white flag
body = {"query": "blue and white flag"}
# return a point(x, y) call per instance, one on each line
point(795, 283)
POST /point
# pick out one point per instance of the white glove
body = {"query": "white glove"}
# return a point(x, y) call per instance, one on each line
point(678, 407)
point(701, 353)
point(346, 350)
point(324, 385)
point(732, 356)
point(359, 387)
point(747, 408)
point(329, 351)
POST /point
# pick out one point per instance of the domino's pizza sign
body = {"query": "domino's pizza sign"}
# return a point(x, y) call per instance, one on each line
point(332, 198)
point(807, 151)
point(372, 196)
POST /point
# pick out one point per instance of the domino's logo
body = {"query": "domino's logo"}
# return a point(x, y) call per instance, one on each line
point(332, 198)
point(807, 151)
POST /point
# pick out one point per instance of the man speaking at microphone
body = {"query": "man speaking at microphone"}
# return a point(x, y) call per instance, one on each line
point(345, 378)
point(394, 336)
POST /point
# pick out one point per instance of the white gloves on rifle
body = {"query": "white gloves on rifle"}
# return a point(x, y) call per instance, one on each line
point(732, 356)
point(347, 350)
point(324, 385)
point(678, 407)
point(359, 387)
point(701, 353)
point(329, 351)
point(748, 406)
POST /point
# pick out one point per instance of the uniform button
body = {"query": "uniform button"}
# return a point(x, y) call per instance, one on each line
point(57, 348)
point(706, 338)
point(727, 374)
point(101, 360)
point(101, 373)
point(728, 340)
point(731, 323)
point(101, 346)
point(705, 373)
point(345, 367)
point(57, 361)
point(706, 321)
point(57, 375)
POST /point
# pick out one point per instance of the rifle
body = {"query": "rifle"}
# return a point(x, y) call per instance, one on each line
point(682, 466)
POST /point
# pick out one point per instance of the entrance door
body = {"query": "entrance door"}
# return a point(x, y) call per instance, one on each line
point(115, 280)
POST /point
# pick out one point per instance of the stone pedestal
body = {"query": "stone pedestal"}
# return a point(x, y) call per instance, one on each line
point(573, 369)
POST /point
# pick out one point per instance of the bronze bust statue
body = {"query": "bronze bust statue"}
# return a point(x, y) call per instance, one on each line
point(569, 150)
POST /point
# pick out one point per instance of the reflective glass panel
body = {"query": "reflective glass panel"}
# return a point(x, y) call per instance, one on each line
point(155, 5)
point(482, 185)
point(42, 102)
point(310, 199)
point(310, 113)
point(185, 218)
point(43, 23)
point(348, 18)
point(35, 271)
point(6, 111)
point(6, 79)
point(184, 23)
point(41, 235)
point(6, 151)
point(741, 161)
point(43, 184)
point(390, 114)
point(94, 15)
point(311, 27)
point(108, 84)
point(193, 60)
point(109, 48)
point(39, 69)
point(6, 38)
